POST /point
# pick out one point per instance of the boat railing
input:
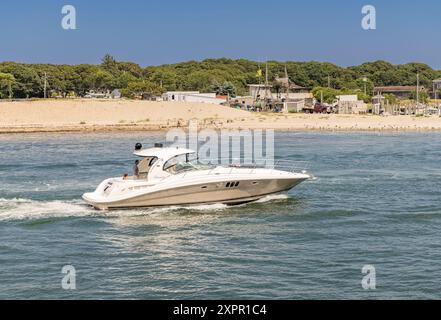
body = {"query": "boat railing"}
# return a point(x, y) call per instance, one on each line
point(277, 164)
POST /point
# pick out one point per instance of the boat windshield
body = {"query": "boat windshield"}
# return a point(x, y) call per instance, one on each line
point(181, 164)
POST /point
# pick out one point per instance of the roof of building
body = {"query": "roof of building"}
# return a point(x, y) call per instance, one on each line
point(260, 85)
point(285, 81)
point(348, 97)
point(437, 80)
point(182, 92)
point(398, 88)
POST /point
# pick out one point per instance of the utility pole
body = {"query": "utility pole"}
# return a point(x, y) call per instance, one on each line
point(329, 81)
point(266, 73)
point(287, 84)
point(365, 88)
point(418, 89)
point(45, 85)
point(266, 82)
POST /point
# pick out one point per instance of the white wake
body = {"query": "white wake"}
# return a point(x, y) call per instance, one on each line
point(23, 209)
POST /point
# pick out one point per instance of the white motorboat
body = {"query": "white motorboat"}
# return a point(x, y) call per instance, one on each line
point(167, 177)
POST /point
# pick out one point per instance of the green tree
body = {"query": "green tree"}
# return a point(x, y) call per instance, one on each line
point(7, 80)
point(123, 80)
point(364, 97)
point(391, 98)
point(142, 89)
point(101, 80)
point(28, 82)
point(109, 64)
point(329, 94)
point(225, 89)
point(423, 96)
point(200, 75)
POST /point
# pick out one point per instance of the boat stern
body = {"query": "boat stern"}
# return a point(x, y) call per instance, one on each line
point(92, 199)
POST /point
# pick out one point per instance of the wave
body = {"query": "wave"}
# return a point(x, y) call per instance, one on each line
point(22, 209)
point(28, 209)
point(273, 198)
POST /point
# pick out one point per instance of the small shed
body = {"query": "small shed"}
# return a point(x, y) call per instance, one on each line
point(116, 94)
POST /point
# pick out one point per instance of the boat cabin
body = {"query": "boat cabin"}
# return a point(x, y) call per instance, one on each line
point(161, 162)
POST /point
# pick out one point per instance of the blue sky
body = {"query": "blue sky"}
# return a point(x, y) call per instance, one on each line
point(168, 31)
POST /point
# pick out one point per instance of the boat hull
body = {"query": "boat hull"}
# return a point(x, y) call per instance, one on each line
point(235, 192)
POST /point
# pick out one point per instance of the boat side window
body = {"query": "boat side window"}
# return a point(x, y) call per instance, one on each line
point(180, 163)
point(170, 165)
point(145, 165)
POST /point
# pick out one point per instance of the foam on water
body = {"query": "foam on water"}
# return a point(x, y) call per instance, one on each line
point(22, 209)
point(273, 198)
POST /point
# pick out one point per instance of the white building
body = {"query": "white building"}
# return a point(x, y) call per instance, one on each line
point(92, 94)
point(349, 104)
point(347, 98)
point(296, 101)
point(192, 96)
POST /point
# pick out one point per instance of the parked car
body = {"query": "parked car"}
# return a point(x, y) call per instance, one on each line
point(320, 108)
point(317, 108)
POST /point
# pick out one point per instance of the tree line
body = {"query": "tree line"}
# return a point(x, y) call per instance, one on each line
point(224, 76)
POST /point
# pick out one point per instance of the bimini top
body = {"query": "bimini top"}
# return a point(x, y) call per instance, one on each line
point(163, 153)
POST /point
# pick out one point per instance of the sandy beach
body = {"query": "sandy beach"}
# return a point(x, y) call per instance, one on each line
point(109, 115)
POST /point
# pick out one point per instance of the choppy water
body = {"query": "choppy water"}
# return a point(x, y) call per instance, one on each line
point(376, 200)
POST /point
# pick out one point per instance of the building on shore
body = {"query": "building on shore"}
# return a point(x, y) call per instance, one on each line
point(401, 92)
point(437, 84)
point(297, 101)
point(292, 100)
point(260, 91)
point(285, 83)
point(107, 94)
point(436, 88)
point(115, 94)
point(349, 104)
point(193, 96)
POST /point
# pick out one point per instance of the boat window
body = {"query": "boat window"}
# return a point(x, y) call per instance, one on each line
point(228, 185)
point(153, 161)
point(145, 165)
point(171, 164)
point(181, 163)
point(237, 184)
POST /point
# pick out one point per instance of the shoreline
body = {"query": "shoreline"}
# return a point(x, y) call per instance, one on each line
point(140, 128)
point(126, 115)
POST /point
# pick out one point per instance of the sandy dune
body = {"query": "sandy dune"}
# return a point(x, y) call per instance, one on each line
point(92, 115)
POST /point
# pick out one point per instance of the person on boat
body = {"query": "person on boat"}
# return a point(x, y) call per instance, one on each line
point(136, 169)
